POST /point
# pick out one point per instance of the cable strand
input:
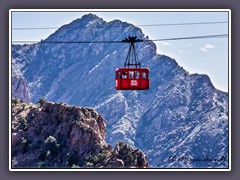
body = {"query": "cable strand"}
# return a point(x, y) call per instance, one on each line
point(147, 40)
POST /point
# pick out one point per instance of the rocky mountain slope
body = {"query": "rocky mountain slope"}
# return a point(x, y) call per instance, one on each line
point(181, 113)
point(19, 83)
point(51, 135)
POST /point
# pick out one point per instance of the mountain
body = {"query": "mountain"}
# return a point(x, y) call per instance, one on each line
point(188, 119)
point(51, 135)
point(181, 114)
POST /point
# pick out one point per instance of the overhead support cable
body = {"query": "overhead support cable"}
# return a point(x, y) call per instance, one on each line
point(140, 25)
point(147, 40)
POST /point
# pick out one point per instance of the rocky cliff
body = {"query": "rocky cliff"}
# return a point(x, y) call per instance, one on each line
point(20, 88)
point(19, 83)
point(51, 135)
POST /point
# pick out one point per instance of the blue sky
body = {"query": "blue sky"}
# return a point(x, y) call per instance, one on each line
point(203, 56)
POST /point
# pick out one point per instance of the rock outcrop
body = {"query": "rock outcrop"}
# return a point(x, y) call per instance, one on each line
point(20, 89)
point(51, 135)
point(19, 83)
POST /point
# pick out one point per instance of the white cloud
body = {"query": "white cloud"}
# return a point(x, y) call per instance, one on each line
point(209, 46)
point(206, 47)
point(203, 49)
point(164, 43)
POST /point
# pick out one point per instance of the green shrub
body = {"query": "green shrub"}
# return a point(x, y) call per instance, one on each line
point(75, 166)
point(102, 156)
point(23, 140)
point(89, 164)
point(79, 123)
point(62, 103)
point(98, 158)
point(41, 101)
point(120, 143)
point(51, 145)
point(130, 156)
point(24, 124)
point(93, 160)
point(16, 100)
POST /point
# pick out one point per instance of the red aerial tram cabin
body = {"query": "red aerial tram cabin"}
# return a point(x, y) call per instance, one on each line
point(132, 76)
point(132, 79)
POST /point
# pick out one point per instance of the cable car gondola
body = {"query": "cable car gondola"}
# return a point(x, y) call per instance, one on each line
point(132, 76)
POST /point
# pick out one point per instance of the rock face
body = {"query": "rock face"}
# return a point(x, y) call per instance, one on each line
point(19, 83)
point(181, 113)
point(54, 135)
point(20, 88)
point(189, 119)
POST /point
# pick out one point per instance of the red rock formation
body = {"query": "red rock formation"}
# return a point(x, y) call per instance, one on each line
point(52, 135)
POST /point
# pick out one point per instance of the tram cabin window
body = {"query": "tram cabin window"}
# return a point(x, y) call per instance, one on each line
point(137, 74)
point(119, 75)
point(131, 74)
point(124, 75)
point(144, 75)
